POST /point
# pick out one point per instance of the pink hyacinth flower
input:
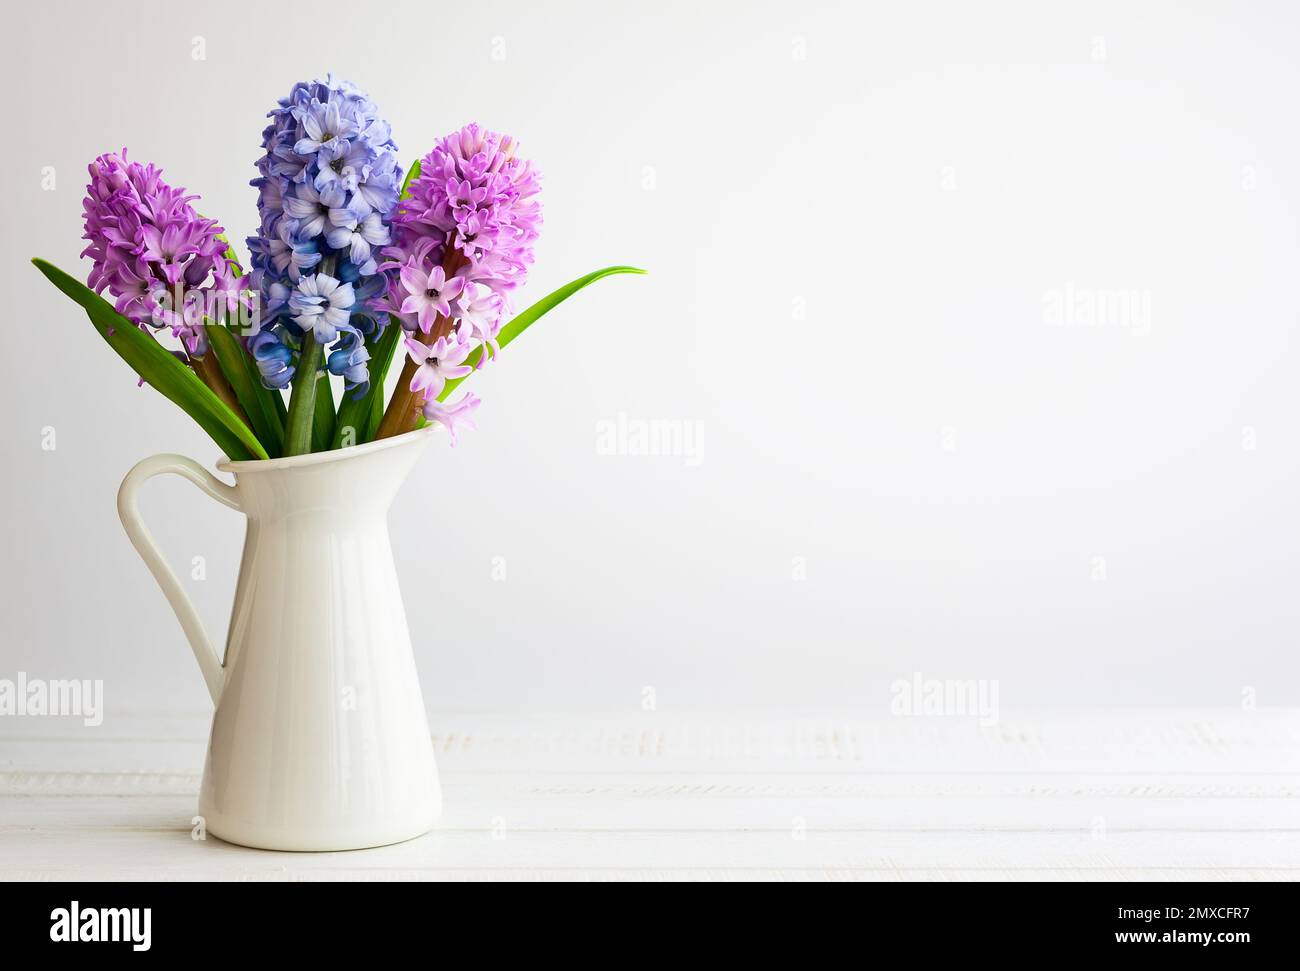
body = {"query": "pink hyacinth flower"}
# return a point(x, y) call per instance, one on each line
point(452, 417)
point(429, 293)
point(439, 363)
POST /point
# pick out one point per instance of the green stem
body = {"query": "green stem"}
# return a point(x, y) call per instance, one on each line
point(302, 402)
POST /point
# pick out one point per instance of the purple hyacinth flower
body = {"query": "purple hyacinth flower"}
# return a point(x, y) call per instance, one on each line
point(149, 246)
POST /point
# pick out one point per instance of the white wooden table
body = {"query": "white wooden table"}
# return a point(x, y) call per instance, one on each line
point(1124, 795)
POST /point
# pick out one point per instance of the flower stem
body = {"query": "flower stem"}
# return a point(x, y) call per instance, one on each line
point(402, 408)
point(302, 401)
point(210, 373)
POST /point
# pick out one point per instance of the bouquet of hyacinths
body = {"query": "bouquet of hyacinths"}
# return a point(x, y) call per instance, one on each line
point(352, 266)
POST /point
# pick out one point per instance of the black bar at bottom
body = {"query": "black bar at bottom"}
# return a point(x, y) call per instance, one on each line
point(331, 921)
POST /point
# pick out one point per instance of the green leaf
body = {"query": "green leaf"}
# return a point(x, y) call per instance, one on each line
point(412, 174)
point(257, 400)
point(375, 419)
point(522, 321)
point(265, 406)
point(160, 369)
point(277, 398)
point(230, 255)
point(385, 351)
point(322, 426)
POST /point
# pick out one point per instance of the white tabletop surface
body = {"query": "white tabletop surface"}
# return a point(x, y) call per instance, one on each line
point(1087, 795)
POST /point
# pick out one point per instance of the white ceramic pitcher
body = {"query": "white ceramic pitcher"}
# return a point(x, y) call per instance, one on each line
point(319, 739)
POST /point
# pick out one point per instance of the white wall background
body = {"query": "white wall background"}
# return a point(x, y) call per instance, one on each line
point(923, 180)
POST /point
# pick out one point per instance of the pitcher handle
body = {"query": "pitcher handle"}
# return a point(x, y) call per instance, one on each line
point(210, 662)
